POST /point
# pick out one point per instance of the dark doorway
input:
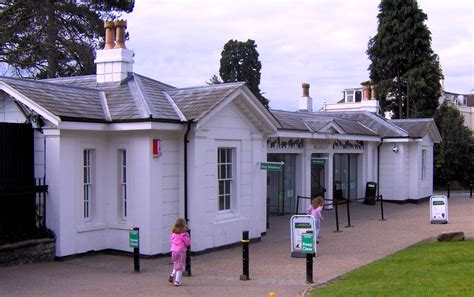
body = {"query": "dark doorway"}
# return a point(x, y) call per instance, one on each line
point(318, 179)
point(17, 211)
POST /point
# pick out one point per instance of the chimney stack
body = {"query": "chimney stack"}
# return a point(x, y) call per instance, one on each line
point(365, 95)
point(115, 61)
point(306, 102)
point(373, 92)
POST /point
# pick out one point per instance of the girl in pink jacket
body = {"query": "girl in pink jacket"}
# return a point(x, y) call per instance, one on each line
point(179, 242)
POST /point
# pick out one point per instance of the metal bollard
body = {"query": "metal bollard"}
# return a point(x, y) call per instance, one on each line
point(449, 189)
point(245, 256)
point(348, 215)
point(470, 190)
point(188, 258)
point(309, 268)
point(136, 253)
point(337, 218)
point(381, 208)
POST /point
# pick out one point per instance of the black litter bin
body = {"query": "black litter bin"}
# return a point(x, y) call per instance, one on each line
point(370, 193)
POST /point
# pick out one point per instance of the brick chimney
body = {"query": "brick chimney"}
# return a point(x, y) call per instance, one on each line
point(305, 102)
point(115, 61)
point(365, 95)
point(373, 92)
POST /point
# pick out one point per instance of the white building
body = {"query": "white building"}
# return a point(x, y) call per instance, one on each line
point(120, 150)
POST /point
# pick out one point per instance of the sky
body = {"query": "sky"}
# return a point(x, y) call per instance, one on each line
point(320, 42)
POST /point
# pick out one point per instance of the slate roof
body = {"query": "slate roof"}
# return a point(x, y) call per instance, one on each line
point(416, 128)
point(136, 98)
point(315, 121)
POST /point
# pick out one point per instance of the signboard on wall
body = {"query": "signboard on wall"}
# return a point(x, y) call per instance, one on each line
point(271, 166)
point(285, 143)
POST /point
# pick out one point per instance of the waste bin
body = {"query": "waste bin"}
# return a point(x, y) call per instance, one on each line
point(370, 193)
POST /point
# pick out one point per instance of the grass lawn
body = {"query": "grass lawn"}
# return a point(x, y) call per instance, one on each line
point(424, 269)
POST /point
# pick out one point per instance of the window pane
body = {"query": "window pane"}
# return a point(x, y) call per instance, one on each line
point(229, 155)
point(227, 202)
point(229, 171)
point(221, 187)
point(227, 187)
point(221, 203)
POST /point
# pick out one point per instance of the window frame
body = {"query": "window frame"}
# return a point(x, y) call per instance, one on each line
point(88, 184)
point(122, 184)
point(225, 177)
point(423, 164)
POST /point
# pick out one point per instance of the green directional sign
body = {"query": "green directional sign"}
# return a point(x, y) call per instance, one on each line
point(318, 161)
point(307, 243)
point(271, 166)
point(133, 236)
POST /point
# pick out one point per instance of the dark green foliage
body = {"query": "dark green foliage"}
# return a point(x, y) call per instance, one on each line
point(46, 39)
point(214, 80)
point(454, 156)
point(239, 62)
point(403, 65)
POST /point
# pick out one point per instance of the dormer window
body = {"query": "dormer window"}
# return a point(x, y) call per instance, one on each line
point(349, 96)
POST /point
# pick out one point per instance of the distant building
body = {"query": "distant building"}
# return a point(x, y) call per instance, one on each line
point(463, 102)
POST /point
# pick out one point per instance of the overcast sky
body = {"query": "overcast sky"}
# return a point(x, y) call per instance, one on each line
point(322, 43)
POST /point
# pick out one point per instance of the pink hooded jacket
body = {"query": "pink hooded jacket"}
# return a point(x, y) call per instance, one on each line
point(179, 242)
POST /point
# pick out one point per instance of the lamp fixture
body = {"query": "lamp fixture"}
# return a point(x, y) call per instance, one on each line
point(395, 148)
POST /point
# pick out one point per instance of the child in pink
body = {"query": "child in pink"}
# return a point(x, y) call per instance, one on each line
point(315, 210)
point(179, 242)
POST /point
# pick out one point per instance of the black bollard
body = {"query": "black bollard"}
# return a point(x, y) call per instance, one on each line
point(449, 189)
point(188, 258)
point(337, 218)
point(381, 208)
point(136, 252)
point(245, 256)
point(470, 190)
point(309, 268)
point(348, 215)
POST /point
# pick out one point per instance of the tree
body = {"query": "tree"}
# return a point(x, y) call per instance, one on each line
point(403, 65)
point(239, 62)
point(54, 38)
point(454, 156)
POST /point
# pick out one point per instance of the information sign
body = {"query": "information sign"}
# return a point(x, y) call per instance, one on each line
point(301, 224)
point(271, 166)
point(307, 242)
point(133, 238)
point(438, 209)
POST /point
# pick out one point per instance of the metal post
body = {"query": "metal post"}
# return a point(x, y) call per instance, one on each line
point(348, 215)
point(188, 258)
point(381, 208)
point(337, 218)
point(136, 253)
point(449, 189)
point(245, 256)
point(309, 268)
point(470, 190)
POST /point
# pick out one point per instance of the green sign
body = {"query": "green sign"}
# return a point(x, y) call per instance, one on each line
point(438, 202)
point(318, 161)
point(133, 236)
point(271, 166)
point(303, 226)
point(307, 243)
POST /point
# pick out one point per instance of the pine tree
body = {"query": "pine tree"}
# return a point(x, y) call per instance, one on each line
point(239, 62)
point(454, 156)
point(54, 38)
point(403, 65)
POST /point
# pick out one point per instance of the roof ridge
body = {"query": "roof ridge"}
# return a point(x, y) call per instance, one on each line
point(233, 84)
point(29, 80)
point(381, 119)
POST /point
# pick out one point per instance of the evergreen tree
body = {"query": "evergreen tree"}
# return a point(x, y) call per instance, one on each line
point(239, 62)
point(54, 38)
point(403, 65)
point(454, 156)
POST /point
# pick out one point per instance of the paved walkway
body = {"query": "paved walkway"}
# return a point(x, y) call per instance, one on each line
point(271, 267)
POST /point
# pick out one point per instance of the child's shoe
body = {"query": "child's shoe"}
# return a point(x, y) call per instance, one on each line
point(171, 279)
point(177, 283)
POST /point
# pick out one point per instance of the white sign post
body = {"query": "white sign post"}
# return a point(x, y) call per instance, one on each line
point(438, 209)
point(299, 224)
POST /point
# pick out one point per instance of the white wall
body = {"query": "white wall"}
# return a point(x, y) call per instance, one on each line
point(211, 228)
point(9, 111)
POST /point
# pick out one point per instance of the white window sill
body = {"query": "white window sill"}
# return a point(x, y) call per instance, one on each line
point(123, 225)
point(88, 228)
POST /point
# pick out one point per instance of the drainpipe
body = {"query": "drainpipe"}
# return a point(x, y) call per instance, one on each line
point(186, 170)
point(378, 166)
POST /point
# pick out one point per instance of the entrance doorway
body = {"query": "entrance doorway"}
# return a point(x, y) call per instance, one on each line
point(318, 180)
point(345, 176)
point(281, 185)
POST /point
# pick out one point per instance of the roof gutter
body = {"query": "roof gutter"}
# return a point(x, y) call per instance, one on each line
point(186, 141)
